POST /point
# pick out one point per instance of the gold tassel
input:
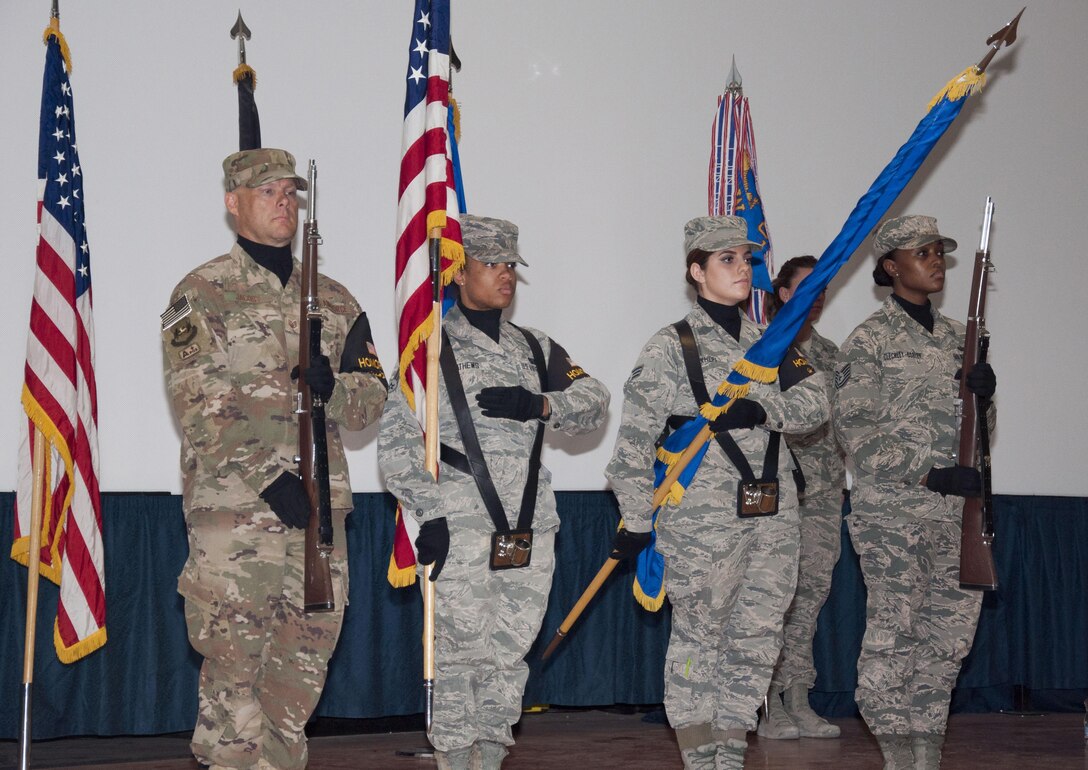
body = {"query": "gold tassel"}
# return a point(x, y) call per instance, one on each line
point(241, 71)
point(963, 85)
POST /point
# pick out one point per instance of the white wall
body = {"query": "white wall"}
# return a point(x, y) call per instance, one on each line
point(588, 124)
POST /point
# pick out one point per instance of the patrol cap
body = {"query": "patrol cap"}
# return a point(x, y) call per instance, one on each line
point(909, 232)
point(490, 240)
point(716, 233)
point(253, 168)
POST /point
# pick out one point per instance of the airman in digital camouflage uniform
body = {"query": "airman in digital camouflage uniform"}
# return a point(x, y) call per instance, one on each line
point(729, 579)
point(789, 714)
point(230, 341)
point(486, 619)
point(895, 417)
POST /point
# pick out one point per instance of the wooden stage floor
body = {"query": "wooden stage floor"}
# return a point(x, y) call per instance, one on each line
point(577, 739)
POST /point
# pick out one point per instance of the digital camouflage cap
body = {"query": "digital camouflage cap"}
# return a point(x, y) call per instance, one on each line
point(253, 168)
point(909, 232)
point(490, 240)
point(716, 233)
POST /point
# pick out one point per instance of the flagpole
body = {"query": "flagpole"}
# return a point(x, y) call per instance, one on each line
point(430, 458)
point(660, 494)
point(32, 579)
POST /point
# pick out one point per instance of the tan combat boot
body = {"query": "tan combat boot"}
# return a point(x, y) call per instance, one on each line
point(809, 723)
point(896, 751)
point(697, 747)
point(457, 759)
point(732, 745)
point(774, 722)
point(926, 748)
point(487, 755)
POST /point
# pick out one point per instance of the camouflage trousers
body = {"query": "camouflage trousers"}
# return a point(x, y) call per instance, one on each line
point(919, 623)
point(485, 622)
point(728, 597)
point(265, 659)
point(821, 541)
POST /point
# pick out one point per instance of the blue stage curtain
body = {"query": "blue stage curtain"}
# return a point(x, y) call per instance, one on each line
point(1032, 634)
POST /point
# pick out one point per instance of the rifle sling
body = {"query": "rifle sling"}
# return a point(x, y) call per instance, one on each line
point(690, 350)
point(472, 461)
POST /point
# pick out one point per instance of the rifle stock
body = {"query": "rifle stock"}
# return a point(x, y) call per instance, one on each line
point(313, 450)
point(977, 570)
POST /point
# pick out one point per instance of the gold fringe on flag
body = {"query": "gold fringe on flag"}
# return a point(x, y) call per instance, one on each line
point(647, 602)
point(53, 30)
point(399, 577)
point(964, 84)
point(755, 371)
point(456, 107)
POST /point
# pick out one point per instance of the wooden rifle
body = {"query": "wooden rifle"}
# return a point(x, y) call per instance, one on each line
point(977, 569)
point(313, 448)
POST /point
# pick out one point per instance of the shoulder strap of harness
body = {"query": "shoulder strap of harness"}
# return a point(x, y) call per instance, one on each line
point(472, 460)
point(690, 349)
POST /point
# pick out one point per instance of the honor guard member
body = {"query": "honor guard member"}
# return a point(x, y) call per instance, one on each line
point(491, 537)
point(788, 713)
point(230, 341)
point(894, 414)
point(730, 547)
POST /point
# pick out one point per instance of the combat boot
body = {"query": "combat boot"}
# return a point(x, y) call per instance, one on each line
point(697, 747)
point(774, 722)
point(487, 755)
point(457, 759)
point(809, 723)
point(926, 748)
point(732, 745)
point(896, 751)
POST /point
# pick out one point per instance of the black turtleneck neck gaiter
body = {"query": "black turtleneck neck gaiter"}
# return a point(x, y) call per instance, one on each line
point(923, 314)
point(276, 259)
point(486, 321)
point(726, 316)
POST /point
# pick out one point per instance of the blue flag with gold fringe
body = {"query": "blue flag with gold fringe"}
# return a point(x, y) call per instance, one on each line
point(761, 361)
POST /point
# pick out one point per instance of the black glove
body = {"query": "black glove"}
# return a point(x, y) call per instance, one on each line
point(957, 480)
point(512, 402)
point(287, 498)
point(744, 413)
point(628, 545)
point(319, 377)
point(981, 380)
point(433, 545)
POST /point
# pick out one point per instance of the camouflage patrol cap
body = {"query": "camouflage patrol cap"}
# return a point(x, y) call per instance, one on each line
point(254, 168)
point(909, 232)
point(716, 233)
point(490, 240)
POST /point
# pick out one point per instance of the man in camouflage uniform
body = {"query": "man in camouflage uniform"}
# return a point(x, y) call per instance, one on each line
point(729, 578)
point(485, 619)
point(230, 340)
point(894, 414)
point(788, 713)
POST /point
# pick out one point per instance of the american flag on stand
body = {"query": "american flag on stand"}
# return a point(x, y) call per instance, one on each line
point(427, 199)
point(733, 187)
point(59, 394)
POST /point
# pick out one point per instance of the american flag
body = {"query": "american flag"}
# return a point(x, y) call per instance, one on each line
point(427, 199)
point(733, 187)
point(59, 394)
